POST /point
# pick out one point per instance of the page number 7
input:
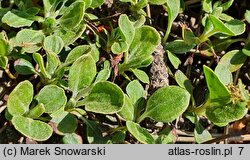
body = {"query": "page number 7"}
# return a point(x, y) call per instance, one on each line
point(241, 149)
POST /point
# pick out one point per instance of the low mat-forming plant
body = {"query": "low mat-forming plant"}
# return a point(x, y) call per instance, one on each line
point(71, 72)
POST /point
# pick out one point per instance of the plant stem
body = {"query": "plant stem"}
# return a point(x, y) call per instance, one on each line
point(204, 37)
point(11, 76)
point(187, 3)
point(149, 13)
point(142, 117)
point(105, 18)
point(165, 38)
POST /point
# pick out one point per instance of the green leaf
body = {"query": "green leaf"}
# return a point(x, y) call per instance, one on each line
point(33, 10)
point(88, 3)
point(119, 47)
point(94, 133)
point(5, 47)
point(173, 8)
point(236, 26)
point(50, 7)
point(73, 16)
point(65, 122)
point(207, 6)
point(166, 104)
point(226, 5)
point(52, 63)
point(70, 35)
point(53, 98)
point(105, 98)
point(32, 129)
point(157, 2)
point(246, 49)
point(15, 18)
point(127, 111)
point(104, 74)
point(179, 46)
point(141, 75)
point(225, 17)
point(219, 26)
point(82, 73)
point(217, 90)
point(53, 44)
point(166, 136)
point(3, 62)
point(243, 91)
point(36, 112)
point(39, 60)
point(140, 52)
point(175, 61)
point(72, 139)
point(135, 91)
point(118, 137)
point(23, 4)
point(97, 3)
point(230, 62)
point(224, 74)
point(141, 134)
point(30, 40)
point(222, 114)
point(247, 16)
point(183, 81)
point(233, 60)
point(77, 52)
point(127, 28)
point(20, 98)
point(201, 134)
point(24, 67)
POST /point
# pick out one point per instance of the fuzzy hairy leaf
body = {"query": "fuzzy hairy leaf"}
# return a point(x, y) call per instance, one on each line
point(144, 43)
point(52, 97)
point(16, 18)
point(20, 98)
point(221, 114)
point(166, 104)
point(53, 44)
point(33, 129)
point(217, 90)
point(105, 98)
point(73, 16)
point(82, 73)
point(141, 134)
point(30, 40)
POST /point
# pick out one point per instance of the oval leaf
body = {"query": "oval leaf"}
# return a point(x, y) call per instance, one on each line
point(72, 139)
point(73, 16)
point(77, 52)
point(66, 122)
point(24, 67)
point(166, 104)
point(105, 98)
point(32, 129)
point(82, 73)
point(53, 44)
point(141, 75)
point(183, 81)
point(30, 40)
point(17, 19)
point(141, 134)
point(53, 98)
point(20, 98)
point(127, 111)
point(221, 115)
